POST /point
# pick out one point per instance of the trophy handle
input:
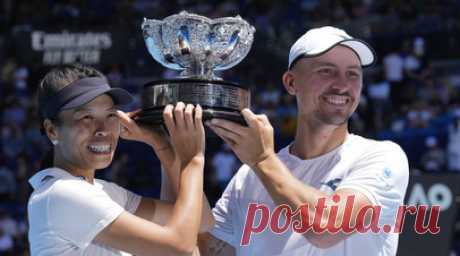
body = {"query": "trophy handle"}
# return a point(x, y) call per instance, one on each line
point(234, 39)
point(153, 36)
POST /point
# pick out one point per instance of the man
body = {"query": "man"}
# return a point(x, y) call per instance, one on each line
point(323, 162)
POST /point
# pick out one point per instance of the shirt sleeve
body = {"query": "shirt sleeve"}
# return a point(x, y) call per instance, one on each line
point(225, 213)
point(130, 201)
point(382, 175)
point(78, 211)
point(127, 199)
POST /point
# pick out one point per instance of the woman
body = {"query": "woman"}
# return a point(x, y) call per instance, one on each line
point(72, 213)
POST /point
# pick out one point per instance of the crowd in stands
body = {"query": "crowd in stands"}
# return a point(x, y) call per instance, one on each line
point(411, 95)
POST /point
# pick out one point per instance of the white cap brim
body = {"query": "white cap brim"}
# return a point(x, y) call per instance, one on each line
point(363, 50)
point(318, 41)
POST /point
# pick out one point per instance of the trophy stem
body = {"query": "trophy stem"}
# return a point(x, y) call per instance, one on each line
point(199, 70)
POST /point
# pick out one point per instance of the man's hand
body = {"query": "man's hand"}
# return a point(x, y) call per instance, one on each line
point(251, 144)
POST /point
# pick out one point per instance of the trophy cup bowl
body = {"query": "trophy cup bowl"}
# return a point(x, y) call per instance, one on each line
point(197, 46)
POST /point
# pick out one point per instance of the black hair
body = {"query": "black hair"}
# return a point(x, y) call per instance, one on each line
point(53, 82)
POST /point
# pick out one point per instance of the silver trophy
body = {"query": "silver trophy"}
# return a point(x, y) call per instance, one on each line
point(197, 46)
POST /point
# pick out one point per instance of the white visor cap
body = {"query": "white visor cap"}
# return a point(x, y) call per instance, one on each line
point(320, 40)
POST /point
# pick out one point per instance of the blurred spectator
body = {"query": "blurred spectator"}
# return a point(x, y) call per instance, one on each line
point(12, 135)
point(393, 67)
point(398, 124)
point(8, 70)
point(23, 172)
point(6, 243)
point(454, 79)
point(21, 75)
point(7, 184)
point(419, 115)
point(436, 90)
point(115, 76)
point(270, 95)
point(225, 164)
point(453, 144)
point(14, 113)
point(413, 69)
point(36, 143)
point(8, 224)
point(379, 97)
point(287, 113)
point(419, 46)
point(413, 58)
point(434, 159)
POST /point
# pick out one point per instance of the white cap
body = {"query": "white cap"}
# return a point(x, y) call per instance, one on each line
point(320, 40)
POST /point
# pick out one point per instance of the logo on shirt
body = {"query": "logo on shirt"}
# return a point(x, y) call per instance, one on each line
point(387, 172)
point(332, 183)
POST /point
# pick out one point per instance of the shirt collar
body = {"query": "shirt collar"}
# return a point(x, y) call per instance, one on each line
point(285, 152)
point(54, 172)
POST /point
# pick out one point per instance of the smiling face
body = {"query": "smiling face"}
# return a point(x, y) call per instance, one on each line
point(327, 87)
point(87, 136)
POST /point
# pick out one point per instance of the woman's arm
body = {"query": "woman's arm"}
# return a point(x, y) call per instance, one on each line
point(159, 211)
point(169, 190)
point(179, 235)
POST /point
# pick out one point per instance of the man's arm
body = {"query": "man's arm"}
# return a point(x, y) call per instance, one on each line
point(254, 146)
point(284, 188)
point(211, 246)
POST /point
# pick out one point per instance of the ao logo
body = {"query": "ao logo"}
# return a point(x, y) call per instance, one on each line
point(438, 194)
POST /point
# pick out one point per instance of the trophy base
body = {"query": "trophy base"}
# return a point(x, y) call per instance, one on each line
point(219, 99)
point(155, 117)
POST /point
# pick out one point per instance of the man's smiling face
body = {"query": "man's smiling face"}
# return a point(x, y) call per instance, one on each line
point(328, 87)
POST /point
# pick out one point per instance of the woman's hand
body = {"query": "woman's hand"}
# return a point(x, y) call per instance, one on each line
point(130, 130)
point(186, 131)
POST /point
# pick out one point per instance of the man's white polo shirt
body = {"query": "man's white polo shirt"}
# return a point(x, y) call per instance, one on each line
point(379, 170)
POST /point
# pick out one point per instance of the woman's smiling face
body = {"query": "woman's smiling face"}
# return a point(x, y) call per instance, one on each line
point(88, 135)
